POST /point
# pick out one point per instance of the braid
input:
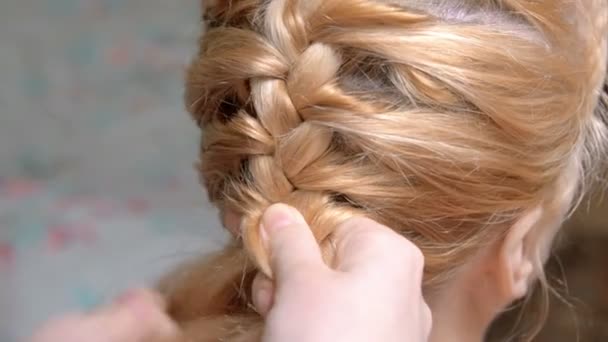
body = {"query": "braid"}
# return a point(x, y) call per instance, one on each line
point(288, 142)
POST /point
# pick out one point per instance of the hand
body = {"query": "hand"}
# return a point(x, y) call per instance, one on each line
point(373, 294)
point(136, 317)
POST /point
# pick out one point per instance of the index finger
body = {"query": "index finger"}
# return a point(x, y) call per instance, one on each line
point(364, 245)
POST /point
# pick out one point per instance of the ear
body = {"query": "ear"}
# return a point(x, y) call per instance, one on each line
point(516, 256)
point(527, 245)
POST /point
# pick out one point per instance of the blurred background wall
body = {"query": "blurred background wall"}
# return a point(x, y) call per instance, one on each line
point(97, 189)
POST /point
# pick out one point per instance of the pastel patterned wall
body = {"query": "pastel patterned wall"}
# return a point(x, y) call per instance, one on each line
point(97, 188)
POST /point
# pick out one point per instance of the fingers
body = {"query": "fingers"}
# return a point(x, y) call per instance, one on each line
point(291, 244)
point(139, 316)
point(136, 317)
point(364, 245)
point(67, 329)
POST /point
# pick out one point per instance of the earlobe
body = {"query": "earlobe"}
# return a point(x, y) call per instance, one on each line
point(516, 258)
point(522, 278)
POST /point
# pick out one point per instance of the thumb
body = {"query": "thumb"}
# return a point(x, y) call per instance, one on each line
point(292, 246)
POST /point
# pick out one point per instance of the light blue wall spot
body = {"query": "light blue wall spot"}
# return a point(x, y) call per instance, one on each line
point(82, 51)
point(27, 234)
point(35, 84)
point(113, 5)
point(63, 7)
point(86, 298)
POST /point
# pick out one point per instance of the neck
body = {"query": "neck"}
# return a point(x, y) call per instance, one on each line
point(464, 309)
point(458, 319)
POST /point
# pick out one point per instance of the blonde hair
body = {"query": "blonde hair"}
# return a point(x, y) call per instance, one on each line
point(444, 120)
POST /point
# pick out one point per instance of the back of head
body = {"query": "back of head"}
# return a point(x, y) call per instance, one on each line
point(444, 120)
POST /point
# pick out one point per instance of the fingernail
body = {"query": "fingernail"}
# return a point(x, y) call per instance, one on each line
point(232, 222)
point(262, 294)
point(277, 217)
point(262, 301)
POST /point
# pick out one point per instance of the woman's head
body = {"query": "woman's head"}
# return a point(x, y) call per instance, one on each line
point(453, 122)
